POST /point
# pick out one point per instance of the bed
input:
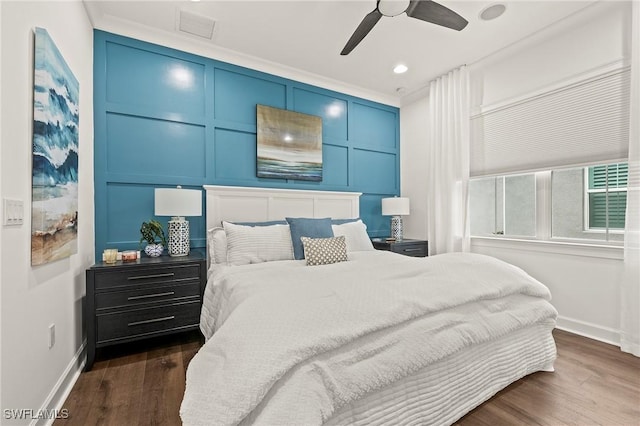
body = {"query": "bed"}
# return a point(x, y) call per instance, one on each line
point(370, 338)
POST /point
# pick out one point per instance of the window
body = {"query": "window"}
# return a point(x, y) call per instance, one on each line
point(583, 203)
point(606, 192)
point(576, 122)
point(503, 205)
point(589, 202)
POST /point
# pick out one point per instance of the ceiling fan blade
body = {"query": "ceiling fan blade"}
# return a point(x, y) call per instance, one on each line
point(363, 29)
point(430, 11)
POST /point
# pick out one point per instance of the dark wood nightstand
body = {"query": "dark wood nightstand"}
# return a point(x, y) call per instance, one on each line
point(150, 297)
point(408, 247)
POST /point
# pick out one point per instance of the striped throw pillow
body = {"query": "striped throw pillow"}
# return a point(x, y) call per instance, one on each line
point(256, 244)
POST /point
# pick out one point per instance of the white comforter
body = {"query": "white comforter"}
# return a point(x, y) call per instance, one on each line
point(293, 343)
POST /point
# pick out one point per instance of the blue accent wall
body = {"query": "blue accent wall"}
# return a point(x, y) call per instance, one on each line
point(165, 117)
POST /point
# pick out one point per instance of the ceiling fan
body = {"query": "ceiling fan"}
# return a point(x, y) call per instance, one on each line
point(425, 10)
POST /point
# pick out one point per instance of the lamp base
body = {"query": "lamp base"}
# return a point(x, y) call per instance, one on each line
point(396, 227)
point(178, 237)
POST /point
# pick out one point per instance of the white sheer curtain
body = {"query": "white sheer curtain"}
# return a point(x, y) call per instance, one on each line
point(448, 163)
point(630, 294)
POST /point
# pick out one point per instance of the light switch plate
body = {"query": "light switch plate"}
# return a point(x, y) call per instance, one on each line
point(12, 212)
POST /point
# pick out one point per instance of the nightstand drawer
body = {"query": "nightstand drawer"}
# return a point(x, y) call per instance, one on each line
point(147, 321)
point(147, 294)
point(415, 250)
point(143, 276)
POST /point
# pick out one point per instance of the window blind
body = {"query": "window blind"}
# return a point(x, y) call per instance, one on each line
point(608, 206)
point(609, 175)
point(582, 123)
point(607, 210)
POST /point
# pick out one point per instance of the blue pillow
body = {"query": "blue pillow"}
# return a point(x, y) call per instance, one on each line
point(306, 227)
point(343, 221)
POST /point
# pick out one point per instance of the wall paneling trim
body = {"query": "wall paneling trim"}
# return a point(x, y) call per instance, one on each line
point(165, 117)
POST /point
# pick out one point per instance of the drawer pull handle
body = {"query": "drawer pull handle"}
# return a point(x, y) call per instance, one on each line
point(143, 277)
point(412, 249)
point(146, 296)
point(131, 324)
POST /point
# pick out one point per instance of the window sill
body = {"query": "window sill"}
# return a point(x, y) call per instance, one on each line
point(603, 251)
point(602, 231)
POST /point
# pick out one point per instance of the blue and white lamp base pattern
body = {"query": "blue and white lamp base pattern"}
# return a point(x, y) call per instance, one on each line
point(396, 227)
point(178, 238)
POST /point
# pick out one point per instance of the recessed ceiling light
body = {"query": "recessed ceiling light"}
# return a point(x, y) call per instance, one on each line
point(492, 12)
point(400, 68)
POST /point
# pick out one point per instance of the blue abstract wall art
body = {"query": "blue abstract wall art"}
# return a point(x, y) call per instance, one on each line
point(54, 208)
point(289, 144)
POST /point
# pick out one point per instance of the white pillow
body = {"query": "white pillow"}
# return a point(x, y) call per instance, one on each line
point(256, 244)
point(217, 244)
point(356, 235)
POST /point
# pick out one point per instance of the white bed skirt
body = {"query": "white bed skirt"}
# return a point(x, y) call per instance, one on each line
point(445, 391)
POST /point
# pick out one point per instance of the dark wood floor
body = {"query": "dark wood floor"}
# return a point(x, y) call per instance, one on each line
point(142, 384)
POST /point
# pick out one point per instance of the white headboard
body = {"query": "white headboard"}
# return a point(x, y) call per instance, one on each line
point(247, 204)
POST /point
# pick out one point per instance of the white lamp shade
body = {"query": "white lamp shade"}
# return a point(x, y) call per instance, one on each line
point(396, 206)
point(178, 202)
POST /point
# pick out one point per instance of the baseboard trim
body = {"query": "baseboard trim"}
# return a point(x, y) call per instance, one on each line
point(58, 395)
point(590, 330)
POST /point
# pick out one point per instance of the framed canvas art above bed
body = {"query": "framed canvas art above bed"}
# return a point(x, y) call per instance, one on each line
point(289, 144)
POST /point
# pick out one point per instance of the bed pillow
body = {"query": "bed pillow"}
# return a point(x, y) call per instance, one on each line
point(342, 221)
point(307, 227)
point(324, 251)
point(267, 223)
point(257, 244)
point(217, 244)
point(355, 234)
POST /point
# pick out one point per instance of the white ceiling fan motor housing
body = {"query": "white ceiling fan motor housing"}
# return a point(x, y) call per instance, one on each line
point(393, 7)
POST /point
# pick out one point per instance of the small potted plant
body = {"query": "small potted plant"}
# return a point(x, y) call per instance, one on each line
point(153, 233)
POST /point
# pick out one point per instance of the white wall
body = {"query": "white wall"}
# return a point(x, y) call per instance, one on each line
point(591, 38)
point(585, 283)
point(34, 297)
point(413, 172)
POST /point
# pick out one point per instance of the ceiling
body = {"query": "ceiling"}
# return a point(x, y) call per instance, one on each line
point(308, 35)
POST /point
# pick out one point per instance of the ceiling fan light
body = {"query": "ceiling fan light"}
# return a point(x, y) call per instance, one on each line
point(393, 7)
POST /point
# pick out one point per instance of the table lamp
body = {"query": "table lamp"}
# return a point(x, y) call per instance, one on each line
point(178, 203)
point(395, 207)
